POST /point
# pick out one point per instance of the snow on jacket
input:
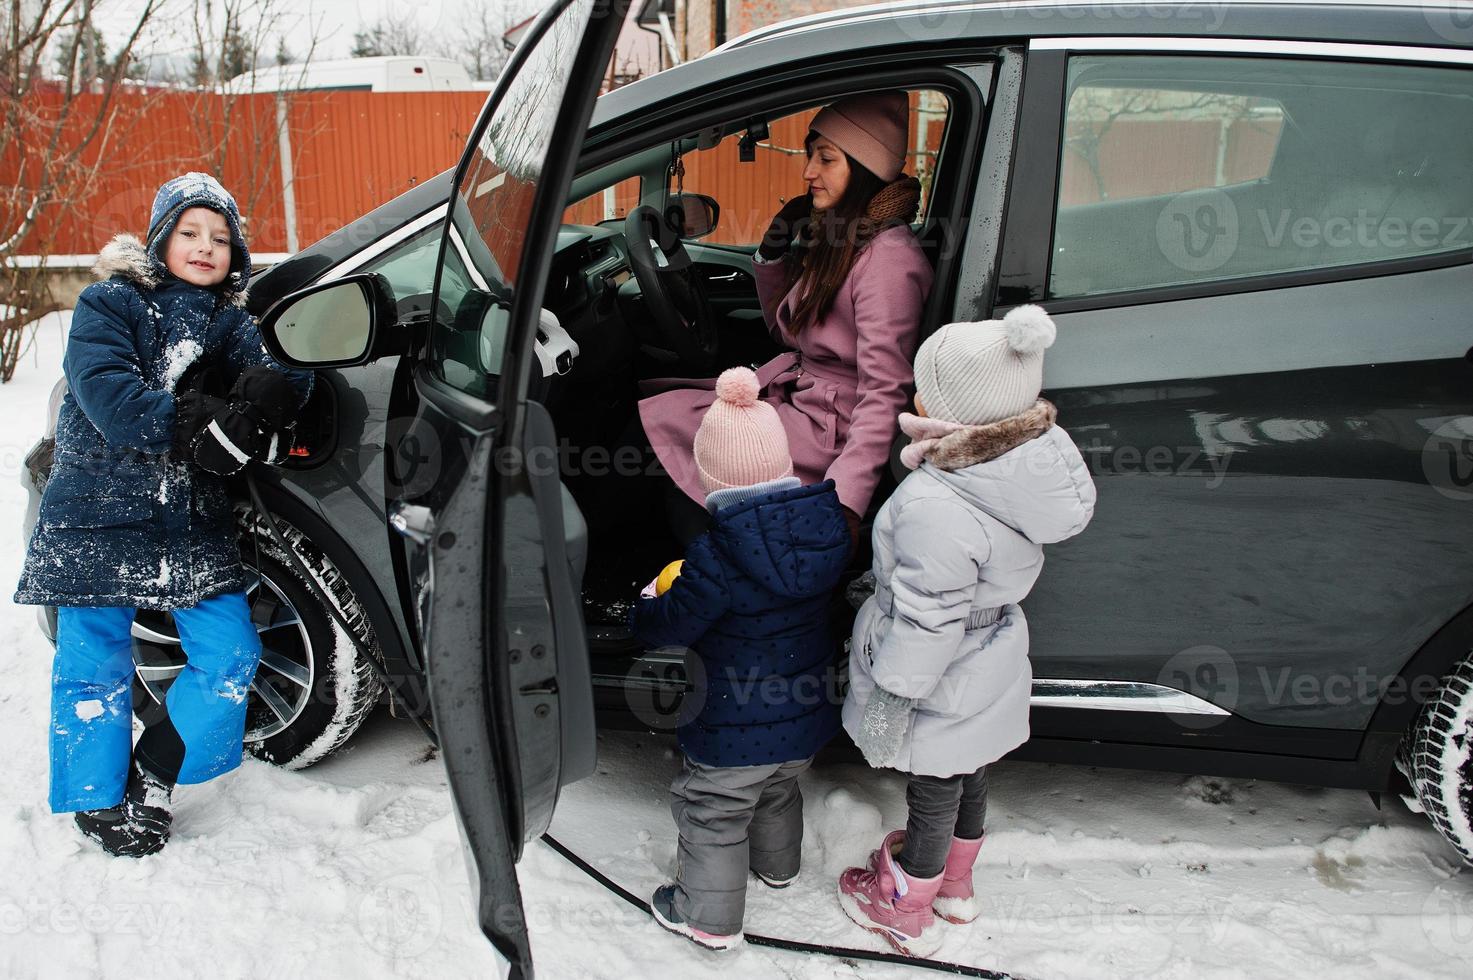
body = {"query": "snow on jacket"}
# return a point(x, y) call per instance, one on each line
point(957, 547)
point(838, 393)
point(752, 603)
point(121, 522)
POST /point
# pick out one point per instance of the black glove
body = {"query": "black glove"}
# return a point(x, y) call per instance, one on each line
point(256, 423)
point(784, 227)
point(192, 412)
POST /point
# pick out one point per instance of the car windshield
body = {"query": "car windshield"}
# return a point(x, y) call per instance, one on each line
point(494, 203)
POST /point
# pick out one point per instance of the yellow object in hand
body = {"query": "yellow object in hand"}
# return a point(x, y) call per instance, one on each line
point(668, 576)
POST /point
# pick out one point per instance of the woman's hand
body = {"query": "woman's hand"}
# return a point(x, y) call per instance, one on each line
point(784, 227)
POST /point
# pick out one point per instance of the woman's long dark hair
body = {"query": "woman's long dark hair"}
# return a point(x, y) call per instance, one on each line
point(822, 261)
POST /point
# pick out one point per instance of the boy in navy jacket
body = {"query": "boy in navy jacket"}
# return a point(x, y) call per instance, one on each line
point(136, 515)
point(751, 606)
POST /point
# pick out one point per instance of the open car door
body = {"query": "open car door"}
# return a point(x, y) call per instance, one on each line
point(500, 539)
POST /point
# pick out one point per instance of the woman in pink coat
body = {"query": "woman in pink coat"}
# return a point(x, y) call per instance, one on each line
point(846, 298)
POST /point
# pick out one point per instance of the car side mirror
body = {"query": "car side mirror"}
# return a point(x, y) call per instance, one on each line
point(342, 323)
point(692, 215)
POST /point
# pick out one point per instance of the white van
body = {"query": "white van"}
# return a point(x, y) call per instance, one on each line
point(387, 73)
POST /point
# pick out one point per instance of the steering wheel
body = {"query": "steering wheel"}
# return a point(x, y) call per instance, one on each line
point(674, 295)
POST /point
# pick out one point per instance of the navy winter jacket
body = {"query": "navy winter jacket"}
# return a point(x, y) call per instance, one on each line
point(121, 522)
point(752, 603)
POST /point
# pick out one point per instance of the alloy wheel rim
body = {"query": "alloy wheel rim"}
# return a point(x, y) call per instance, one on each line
point(283, 683)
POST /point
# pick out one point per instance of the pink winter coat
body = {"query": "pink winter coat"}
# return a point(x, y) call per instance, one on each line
point(839, 393)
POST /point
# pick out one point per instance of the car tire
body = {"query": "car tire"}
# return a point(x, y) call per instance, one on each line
point(1437, 758)
point(319, 687)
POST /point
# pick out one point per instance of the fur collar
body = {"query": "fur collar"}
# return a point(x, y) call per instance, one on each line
point(953, 446)
point(125, 257)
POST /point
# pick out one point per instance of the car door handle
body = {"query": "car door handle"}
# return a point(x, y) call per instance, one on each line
point(726, 278)
point(413, 521)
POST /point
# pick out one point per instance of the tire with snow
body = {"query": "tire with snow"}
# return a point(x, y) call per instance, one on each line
point(313, 689)
point(1437, 759)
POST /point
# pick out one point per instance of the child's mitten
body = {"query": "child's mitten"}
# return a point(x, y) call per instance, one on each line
point(193, 410)
point(883, 727)
point(257, 423)
point(270, 393)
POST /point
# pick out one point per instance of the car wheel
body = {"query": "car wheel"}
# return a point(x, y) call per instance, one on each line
point(313, 689)
point(1437, 758)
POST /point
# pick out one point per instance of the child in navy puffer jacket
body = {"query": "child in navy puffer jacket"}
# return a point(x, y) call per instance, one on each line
point(751, 603)
point(136, 515)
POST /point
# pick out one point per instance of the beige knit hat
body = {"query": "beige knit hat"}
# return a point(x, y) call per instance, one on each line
point(976, 373)
point(871, 128)
point(740, 441)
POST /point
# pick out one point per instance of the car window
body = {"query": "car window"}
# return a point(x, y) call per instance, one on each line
point(1191, 169)
point(492, 207)
point(410, 269)
point(611, 202)
point(751, 192)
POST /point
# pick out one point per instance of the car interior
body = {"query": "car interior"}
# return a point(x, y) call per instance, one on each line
point(613, 272)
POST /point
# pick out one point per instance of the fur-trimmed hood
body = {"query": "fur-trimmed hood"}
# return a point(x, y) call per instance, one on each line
point(952, 446)
point(125, 257)
point(1024, 470)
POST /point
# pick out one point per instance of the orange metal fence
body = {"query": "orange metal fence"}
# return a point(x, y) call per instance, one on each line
point(350, 152)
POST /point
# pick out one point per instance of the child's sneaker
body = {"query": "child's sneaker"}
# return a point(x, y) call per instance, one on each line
point(139, 824)
point(662, 904)
point(885, 900)
point(955, 901)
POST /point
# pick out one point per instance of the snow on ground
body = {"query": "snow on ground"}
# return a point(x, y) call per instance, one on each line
point(353, 868)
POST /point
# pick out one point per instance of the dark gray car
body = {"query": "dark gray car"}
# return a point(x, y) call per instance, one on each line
point(1251, 223)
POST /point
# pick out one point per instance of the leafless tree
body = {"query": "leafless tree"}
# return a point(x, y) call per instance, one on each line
point(478, 44)
point(56, 134)
point(229, 39)
point(391, 34)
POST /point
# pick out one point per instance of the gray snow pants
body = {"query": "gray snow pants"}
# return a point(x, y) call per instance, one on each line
point(733, 819)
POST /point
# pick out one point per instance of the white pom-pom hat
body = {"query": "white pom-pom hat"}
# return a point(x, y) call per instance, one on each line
point(740, 441)
point(976, 373)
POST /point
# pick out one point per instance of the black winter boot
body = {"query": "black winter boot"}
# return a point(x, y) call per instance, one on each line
point(137, 826)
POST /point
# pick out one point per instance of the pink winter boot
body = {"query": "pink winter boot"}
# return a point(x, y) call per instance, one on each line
point(885, 900)
point(954, 901)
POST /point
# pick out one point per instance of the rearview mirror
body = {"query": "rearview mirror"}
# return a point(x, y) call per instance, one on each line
point(333, 324)
point(692, 215)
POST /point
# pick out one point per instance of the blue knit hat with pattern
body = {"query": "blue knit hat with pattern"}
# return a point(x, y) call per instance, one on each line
point(197, 190)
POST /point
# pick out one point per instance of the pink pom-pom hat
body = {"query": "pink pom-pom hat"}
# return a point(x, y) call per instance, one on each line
point(740, 441)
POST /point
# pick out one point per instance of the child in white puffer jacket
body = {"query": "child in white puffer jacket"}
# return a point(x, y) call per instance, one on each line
point(939, 673)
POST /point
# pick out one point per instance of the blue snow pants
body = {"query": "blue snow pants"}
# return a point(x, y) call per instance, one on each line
point(92, 699)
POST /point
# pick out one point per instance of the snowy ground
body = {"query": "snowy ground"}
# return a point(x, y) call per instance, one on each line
point(353, 868)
